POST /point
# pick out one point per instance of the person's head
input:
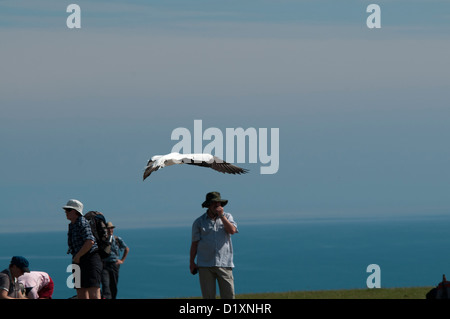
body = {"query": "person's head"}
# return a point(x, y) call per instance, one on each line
point(213, 201)
point(110, 227)
point(73, 209)
point(18, 266)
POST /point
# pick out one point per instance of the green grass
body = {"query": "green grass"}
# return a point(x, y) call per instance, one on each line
point(377, 293)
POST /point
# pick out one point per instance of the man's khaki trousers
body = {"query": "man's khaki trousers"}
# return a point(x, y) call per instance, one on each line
point(224, 277)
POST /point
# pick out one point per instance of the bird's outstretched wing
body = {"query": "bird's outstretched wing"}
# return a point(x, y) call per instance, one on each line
point(220, 165)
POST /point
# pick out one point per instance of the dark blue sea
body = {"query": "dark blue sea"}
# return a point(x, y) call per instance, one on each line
point(270, 257)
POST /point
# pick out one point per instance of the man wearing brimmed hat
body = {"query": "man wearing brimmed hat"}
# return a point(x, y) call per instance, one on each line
point(9, 288)
point(111, 264)
point(211, 244)
point(84, 250)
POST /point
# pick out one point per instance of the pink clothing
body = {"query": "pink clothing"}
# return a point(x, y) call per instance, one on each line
point(34, 281)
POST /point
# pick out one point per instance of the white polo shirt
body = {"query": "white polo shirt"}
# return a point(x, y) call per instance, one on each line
point(215, 248)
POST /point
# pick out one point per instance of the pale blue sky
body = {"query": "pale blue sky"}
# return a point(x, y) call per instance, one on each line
point(363, 114)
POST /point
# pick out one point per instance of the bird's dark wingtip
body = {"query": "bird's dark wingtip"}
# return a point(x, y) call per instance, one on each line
point(146, 174)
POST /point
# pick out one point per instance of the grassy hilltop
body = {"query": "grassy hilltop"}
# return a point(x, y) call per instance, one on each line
point(381, 293)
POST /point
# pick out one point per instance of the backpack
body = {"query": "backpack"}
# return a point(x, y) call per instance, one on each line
point(98, 226)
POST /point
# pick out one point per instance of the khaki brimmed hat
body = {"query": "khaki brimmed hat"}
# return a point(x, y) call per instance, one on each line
point(110, 225)
point(74, 204)
point(214, 197)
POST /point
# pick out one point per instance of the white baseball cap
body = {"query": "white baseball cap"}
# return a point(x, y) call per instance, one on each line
point(74, 204)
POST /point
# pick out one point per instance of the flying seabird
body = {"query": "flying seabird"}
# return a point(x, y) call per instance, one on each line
point(205, 160)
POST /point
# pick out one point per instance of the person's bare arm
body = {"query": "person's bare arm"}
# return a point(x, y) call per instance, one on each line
point(84, 249)
point(193, 254)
